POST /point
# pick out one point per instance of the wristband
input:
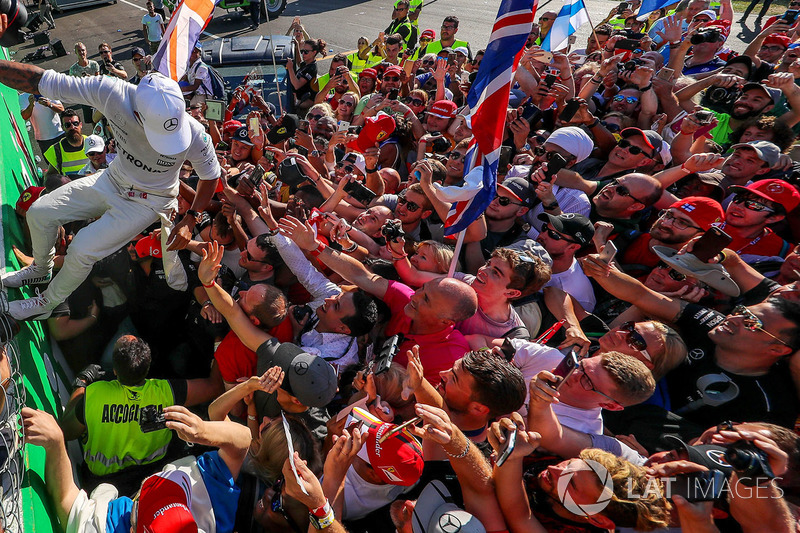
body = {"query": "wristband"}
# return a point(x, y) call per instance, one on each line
point(194, 214)
point(462, 454)
point(94, 316)
point(319, 249)
point(683, 167)
point(251, 417)
point(207, 302)
point(213, 282)
point(548, 207)
point(321, 512)
point(351, 248)
point(322, 523)
point(647, 88)
point(371, 170)
point(398, 258)
point(598, 82)
point(595, 123)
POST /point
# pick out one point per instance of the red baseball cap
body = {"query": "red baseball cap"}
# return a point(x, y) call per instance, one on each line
point(375, 129)
point(398, 459)
point(231, 126)
point(723, 25)
point(444, 109)
point(780, 40)
point(774, 190)
point(427, 34)
point(703, 211)
point(394, 69)
point(149, 247)
point(368, 73)
point(26, 199)
point(165, 504)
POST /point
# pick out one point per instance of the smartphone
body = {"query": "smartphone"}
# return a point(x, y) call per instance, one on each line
point(543, 56)
point(254, 126)
point(569, 110)
point(151, 419)
point(623, 7)
point(665, 74)
point(710, 244)
point(704, 117)
point(393, 94)
point(608, 252)
point(627, 44)
point(531, 113)
point(698, 486)
point(388, 350)
point(300, 312)
point(451, 58)
point(550, 79)
point(269, 156)
point(302, 150)
point(504, 160)
point(359, 192)
point(215, 110)
point(566, 367)
point(554, 163)
point(508, 349)
point(303, 126)
point(634, 35)
point(340, 70)
point(790, 17)
point(355, 130)
point(256, 176)
point(511, 442)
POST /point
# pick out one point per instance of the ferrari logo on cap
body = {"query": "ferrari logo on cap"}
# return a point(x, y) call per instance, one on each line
point(281, 130)
point(171, 124)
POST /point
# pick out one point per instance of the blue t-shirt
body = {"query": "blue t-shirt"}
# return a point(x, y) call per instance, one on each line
point(222, 491)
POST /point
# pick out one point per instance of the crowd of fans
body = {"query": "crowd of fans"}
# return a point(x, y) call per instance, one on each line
point(587, 327)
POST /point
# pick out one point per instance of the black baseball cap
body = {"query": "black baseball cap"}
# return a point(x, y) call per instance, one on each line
point(576, 226)
point(284, 129)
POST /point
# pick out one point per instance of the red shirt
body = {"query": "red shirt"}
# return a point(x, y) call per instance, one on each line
point(767, 244)
point(638, 259)
point(437, 351)
point(235, 360)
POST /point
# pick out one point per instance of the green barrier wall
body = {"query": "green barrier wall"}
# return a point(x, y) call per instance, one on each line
point(17, 168)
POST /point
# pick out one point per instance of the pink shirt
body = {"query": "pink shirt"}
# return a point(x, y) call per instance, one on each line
point(437, 351)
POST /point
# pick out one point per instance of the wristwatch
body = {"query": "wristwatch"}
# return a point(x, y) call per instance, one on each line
point(194, 214)
point(526, 147)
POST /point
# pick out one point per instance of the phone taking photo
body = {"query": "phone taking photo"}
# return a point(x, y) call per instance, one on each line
point(608, 253)
point(569, 110)
point(566, 367)
point(710, 244)
point(511, 442)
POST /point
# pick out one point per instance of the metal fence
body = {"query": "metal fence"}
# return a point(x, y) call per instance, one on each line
point(12, 398)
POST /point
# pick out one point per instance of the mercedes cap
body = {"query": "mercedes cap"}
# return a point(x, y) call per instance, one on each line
point(162, 110)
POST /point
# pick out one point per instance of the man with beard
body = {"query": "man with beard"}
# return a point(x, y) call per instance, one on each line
point(755, 99)
point(767, 49)
point(67, 157)
point(678, 224)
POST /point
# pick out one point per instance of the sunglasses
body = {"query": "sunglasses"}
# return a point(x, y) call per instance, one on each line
point(629, 99)
point(538, 139)
point(455, 156)
point(625, 144)
point(105, 51)
point(752, 205)
point(541, 151)
point(347, 168)
point(751, 322)
point(505, 200)
point(622, 190)
point(253, 259)
point(774, 48)
point(276, 504)
point(391, 78)
point(586, 383)
point(411, 206)
point(314, 117)
point(416, 102)
point(676, 222)
point(306, 51)
point(553, 234)
point(634, 339)
point(674, 274)
point(611, 127)
point(346, 102)
point(428, 62)
point(448, 27)
point(75, 123)
point(137, 59)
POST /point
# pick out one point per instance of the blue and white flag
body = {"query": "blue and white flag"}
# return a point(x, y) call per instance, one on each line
point(648, 6)
point(571, 17)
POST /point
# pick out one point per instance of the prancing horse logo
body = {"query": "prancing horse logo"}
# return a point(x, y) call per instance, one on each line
point(171, 124)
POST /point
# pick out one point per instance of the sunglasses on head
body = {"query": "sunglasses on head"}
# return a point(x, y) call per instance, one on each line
point(411, 206)
point(674, 274)
point(625, 144)
point(634, 339)
point(622, 190)
point(751, 322)
point(629, 99)
point(752, 205)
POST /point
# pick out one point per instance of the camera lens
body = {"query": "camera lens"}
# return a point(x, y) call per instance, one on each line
point(17, 18)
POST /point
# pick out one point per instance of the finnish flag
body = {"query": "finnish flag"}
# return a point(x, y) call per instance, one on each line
point(571, 17)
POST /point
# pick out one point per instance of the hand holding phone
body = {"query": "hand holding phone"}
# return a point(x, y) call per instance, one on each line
point(508, 449)
point(608, 253)
point(566, 367)
point(710, 244)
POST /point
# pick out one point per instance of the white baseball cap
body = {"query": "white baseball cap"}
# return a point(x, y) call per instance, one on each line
point(435, 512)
point(93, 143)
point(162, 111)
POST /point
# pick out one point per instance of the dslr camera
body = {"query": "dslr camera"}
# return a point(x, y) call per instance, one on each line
point(151, 419)
point(392, 230)
point(721, 98)
point(710, 35)
point(750, 463)
point(631, 65)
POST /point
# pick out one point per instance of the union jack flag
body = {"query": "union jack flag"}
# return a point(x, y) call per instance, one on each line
point(488, 101)
point(185, 26)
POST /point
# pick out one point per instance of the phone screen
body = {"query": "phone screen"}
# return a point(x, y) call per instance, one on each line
point(566, 367)
point(214, 110)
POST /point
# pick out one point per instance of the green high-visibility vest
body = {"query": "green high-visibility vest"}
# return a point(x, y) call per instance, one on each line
point(114, 439)
point(66, 162)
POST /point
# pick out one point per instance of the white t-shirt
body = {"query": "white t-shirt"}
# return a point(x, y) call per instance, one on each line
point(137, 164)
point(575, 283)
point(46, 122)
point(153, 25)
point(362, 497)
point(199, 71)
point(481, 323)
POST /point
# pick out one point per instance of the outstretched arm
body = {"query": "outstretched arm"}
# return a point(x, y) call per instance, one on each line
point(20, 76)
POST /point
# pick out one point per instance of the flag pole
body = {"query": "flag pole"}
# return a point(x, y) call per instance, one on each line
point(591, 25)
point(456, 253)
